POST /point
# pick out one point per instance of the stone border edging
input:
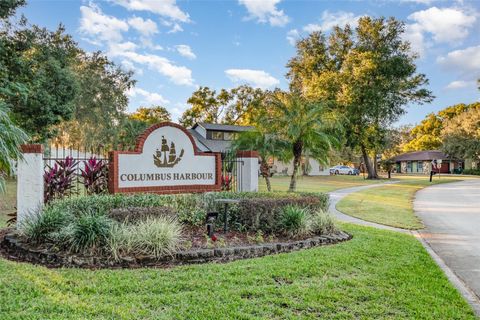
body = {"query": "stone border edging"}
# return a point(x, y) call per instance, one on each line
point(21, 252)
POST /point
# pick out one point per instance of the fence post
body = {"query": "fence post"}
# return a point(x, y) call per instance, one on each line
point(247, 171)
point(29, 181)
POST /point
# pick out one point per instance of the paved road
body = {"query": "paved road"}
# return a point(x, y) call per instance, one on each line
point(451, 214)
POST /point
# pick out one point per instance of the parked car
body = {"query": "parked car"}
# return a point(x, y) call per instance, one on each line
point(344, 170)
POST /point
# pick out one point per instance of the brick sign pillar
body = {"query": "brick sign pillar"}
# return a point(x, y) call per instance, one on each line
point(247, 171)
point(29, 181)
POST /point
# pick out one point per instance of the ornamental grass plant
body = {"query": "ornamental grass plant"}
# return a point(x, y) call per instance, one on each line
point(152, 237)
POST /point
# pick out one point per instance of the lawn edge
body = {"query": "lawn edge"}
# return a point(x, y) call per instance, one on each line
point(467, 293)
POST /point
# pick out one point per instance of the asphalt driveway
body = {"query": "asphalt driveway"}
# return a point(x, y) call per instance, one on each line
point(451, 214)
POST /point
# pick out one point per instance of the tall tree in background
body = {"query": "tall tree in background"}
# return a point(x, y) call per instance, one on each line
point(244, 108)
point(369, 74)
point(151, 115)
point(100, 102)
point(207, 106)
point(309, 128)
point(39, 85)
point(461, 135)
point(428, 134)
point(238, 106)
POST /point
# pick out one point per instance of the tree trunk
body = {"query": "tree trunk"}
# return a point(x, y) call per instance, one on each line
point(375, 164)
point(265, 172)
point(297, 157)
point(371, 173)
point(267, 181)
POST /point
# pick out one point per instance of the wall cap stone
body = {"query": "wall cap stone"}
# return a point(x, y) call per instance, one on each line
point(31, 148)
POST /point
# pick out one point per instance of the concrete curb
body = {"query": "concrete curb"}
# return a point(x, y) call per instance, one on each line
point(461, 286)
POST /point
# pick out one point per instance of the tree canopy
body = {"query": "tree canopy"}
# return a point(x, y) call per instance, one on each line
point(428, 134)
point(38, 85)
point(100, 102)
point(461, 134)
point(236, 106)
point(151, 115)
point(368, 74)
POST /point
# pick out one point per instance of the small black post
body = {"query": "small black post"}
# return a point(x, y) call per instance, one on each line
point(431, 175)
point(225, 225)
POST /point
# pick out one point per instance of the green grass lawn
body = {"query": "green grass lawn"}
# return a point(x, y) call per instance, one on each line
point(8, 201)
point(377, 275)
point(317, 183)
point(390, 205)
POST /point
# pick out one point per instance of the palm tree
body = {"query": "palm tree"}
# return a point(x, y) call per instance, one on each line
point(11, 137)
point(310, 128)
point(267, 145)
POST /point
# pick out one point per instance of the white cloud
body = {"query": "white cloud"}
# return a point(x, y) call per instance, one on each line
point(465, 61)
point(116, 49)
point(446, 25)
point(256, 78)
point(129, 66)
point(414, 35)
point(418, 1)
point(265, 11)
point(186, 51)
point(164, 8)
point(459, 84)
point(147, 43)
point(332, 19)
point(292, 36)
point(177, 74)
point(147, 97)
point(99, 27)
point(146, 27)
point(176, 28)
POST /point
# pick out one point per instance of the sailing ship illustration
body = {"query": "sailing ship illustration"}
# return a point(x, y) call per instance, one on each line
point(166, 157)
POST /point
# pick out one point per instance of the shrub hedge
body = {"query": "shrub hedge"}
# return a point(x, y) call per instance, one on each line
point(472, 172)
point(256, 210)
point(151, 224)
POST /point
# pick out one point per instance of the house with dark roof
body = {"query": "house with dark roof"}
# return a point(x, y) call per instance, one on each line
point(421, 162)
point(211, 137)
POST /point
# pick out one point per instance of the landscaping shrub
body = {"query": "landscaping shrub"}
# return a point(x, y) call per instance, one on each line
point(295, 221)
point(322, 223)
point(41, 226)
point(88, 232)
point(472, 171)
point(94, 175)
point(59, 179)
point(149, 224)
point(153, 236)
point(264, 213)
point(133, 214)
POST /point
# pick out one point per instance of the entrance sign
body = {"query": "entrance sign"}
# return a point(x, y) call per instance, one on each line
point(165, 160)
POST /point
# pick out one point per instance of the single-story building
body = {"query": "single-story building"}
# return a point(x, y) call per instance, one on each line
point(211, 137)
point(421, 162)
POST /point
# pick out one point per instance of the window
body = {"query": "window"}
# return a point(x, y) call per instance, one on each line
point(409, 166)
point(228, 136)
point(217, 135)
point(420, 166)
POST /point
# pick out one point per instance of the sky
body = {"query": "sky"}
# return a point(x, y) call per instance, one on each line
point(174, 47)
